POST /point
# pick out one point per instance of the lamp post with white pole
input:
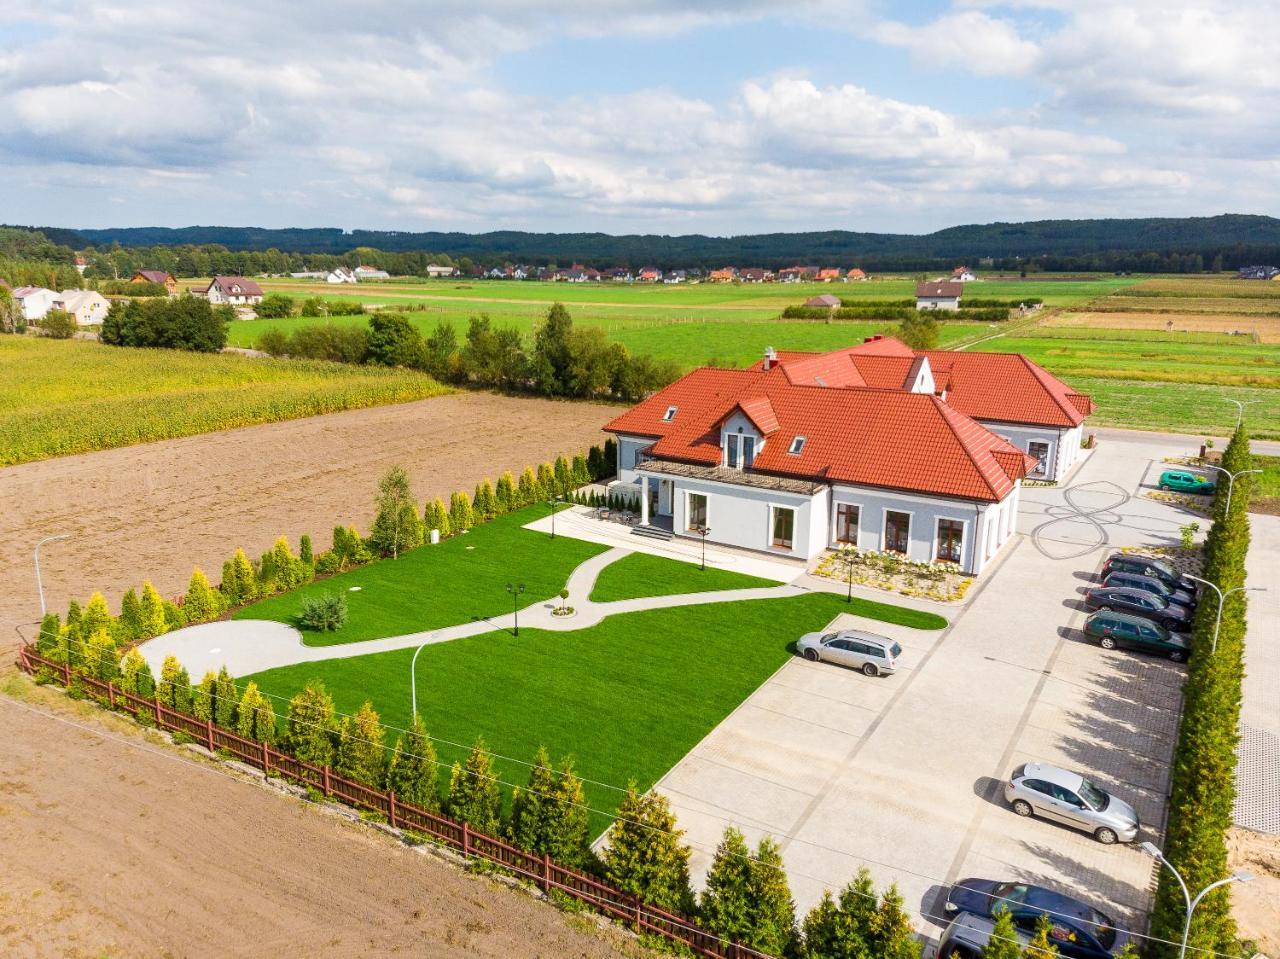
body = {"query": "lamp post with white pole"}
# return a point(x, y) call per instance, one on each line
point(1240, 405)
point(39, 582)
point(1151, 849)
point(413, 679)
point(1231, 479)
point(1222, 599)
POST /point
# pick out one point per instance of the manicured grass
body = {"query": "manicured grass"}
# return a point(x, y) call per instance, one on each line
point(643, 574)
point(626, 698)
point(1266, 485)
point(460, 578)
point(72, 396)
point(1178, 407)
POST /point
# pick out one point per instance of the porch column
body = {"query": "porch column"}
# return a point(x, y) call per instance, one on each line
point(644, 499)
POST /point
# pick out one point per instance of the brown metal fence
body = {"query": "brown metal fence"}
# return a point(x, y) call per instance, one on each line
point(537, 868)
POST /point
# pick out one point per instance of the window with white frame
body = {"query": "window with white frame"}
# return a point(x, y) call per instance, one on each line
point(897, 531)
point(797, 446)
point(697, 512)
point(669, 415)
point(739, 451)
point(782, 527)
point(950, 538)
point(847, 524)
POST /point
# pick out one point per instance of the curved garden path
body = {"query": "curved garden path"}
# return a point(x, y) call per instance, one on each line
point(247, 646)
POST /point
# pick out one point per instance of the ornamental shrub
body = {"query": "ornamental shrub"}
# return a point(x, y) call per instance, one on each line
point(304, 550)
point(547, 486)
point(436, 516)
point(226, 700)
point(578, 472)
point(310, 727)
point(645, 855)
point(1003, 943)
point(131, 615)
point(203, 695)
point(726, 906)
point(596, 463)
point(563, 477)
point(326, 613)
point(486, 501)
point(505, 493)
point(202, 602)
point(474, 796)
point(361, 753)
point(395, 525)
point(414, 772)
point(1040, 946)
point(96, 615)
point(100, 656)
point(174, 689)
point(279, 570)
point(135, 675)
point(239, 581)
point(773, 923)
point(153, 618)
point(255, 718)
point(49, 639)
point(527, 491)
point(461, 516)
point(549, 815)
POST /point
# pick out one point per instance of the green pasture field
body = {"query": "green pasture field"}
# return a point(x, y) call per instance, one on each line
point(71, 396)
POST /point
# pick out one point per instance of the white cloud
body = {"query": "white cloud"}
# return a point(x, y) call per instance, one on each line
point(970, 39)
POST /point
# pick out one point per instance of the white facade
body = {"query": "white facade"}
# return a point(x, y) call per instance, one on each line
point(35, 301)
point(1056, 448)
point(88, 307)
point(233, 293)
point(342, 274)
point(937, 303)
point(435, 270)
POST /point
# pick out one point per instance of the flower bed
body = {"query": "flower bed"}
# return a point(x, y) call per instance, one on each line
point(1183, 560)
point(943, 582)
point(1196, 504)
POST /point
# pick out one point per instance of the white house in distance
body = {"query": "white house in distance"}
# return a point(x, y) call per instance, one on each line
point(962, 274)
point(939, 295)
point(343, 274)
point(875, 446)
point(235, 290)
point(436, 271)
point(87, 306)
point(35, 301)
point(370, 273)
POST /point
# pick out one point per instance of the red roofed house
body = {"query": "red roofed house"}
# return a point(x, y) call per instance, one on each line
point(939, 295)
point(827, 274)
point(855, 274)
point(876, 446)
point(235, 290)
point(161, 277)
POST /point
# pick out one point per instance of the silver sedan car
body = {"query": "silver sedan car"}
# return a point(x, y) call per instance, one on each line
point(871, 653)
point(1067, 797)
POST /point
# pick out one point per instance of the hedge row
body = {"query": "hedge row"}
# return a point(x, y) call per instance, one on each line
point(1203, 779)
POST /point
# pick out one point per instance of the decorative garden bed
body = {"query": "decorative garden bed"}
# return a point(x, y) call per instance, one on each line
point(943, 582)
point(1203, 505)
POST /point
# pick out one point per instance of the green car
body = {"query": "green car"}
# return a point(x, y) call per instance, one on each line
point(1181, 481)
point(1112, 630)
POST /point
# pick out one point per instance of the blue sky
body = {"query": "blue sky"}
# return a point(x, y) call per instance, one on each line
point(647, 116)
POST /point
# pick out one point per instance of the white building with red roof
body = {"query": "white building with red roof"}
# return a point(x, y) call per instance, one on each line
point(875, 446)
point(233, 290)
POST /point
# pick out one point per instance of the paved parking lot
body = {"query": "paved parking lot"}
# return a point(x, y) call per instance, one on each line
point(904, 773)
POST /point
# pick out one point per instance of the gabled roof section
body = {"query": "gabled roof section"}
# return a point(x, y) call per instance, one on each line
point(943, 289)
point(759, 411)
point(1007, 388)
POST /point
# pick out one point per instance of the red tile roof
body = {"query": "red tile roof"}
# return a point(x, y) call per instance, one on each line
point(247, 287)
point(944, 288)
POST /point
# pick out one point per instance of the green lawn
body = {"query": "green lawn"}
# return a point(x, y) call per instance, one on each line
point(643, 574)
point(626, 698)
point(1178, 407)
point(443, 585)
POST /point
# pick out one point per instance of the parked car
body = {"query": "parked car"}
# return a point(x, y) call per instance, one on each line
point(1179, 597)
point(1182, 481)
point(1148, 566)
point(1115, 630)
point(1078, 930)
point(870, 652)
point(1139, 602)
point(967, 934)
point(1067, 797)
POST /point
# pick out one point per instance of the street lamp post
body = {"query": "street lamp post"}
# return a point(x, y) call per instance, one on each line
point(552, 503)
point(1231, 480)
point(847, 556)
point(703, 531)
point(515, 591)
point(1240, 405)
point(39, 582)
point(1222, 599)
point(1152, 850)
point(413, 682)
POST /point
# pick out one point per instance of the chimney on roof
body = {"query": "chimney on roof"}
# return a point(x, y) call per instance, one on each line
point(770, 359)
point(872, 339)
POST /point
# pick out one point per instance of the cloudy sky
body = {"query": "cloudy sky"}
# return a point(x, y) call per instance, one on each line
point(719, 116)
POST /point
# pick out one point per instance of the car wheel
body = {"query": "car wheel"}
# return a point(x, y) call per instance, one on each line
point(1176, 656)
point(1163, 486)
point(811, 655)
point(1105, 836)
point(1022, 807)
point(870, 669)
point(1106, 642)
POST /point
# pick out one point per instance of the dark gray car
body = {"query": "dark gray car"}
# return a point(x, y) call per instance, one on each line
point(1139, 602)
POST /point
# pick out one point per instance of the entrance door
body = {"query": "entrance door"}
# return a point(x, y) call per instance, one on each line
point(1040, 450)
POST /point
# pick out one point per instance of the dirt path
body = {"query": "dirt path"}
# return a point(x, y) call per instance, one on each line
point(115, 845)
point(158, 509)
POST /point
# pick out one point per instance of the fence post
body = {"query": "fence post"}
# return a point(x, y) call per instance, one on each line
point(208, 734)
point(111, 693)
point(391, 807)
point(466, 838)
point(66, 673)
point(635, 900)
point(266, 758)
point(327, 790)
point(159, 718)
point(546, 872)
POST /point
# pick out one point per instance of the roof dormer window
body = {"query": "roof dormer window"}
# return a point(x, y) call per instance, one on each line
point(669, 415)
point(797, 446)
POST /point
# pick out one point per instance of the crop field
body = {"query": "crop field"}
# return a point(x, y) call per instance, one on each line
point(70, 396)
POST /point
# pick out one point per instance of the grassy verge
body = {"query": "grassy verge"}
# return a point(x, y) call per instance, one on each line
point(1266, 486)
point(70, 396)
point(627, 698)
point(1178, 407)
point(642, 574)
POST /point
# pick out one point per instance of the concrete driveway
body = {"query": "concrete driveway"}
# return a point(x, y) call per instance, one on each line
point(903, 774)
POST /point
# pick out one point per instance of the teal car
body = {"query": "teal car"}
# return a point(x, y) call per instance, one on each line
point(1112, 630)
point(1182, 481)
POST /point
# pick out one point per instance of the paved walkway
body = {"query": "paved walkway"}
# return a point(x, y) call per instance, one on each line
point(1258, 774)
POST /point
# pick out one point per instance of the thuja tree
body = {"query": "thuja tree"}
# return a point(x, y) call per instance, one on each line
point(860, 923)
point(395, 525)
point(527, 490)
point(1004, 942)
point(547, 487)
point(255, 719)
point(49, 638)
point(131, 615)
point(174, 690)
point(361, 753)
point(461, 516)
point(726, 904)
point(202, 602)
point(549, 815)
point(645, 855)
point(413, 774)
point(773, 922)
point(474, 796)
point(96, 616)
point(135, 675)
point(153, 618)
point(239, 581)
point(226, 700)
point(436, 516)
point(202, 696)
point(505, 494)
point(310, 726)
point(1040, 946)
point(485, 503)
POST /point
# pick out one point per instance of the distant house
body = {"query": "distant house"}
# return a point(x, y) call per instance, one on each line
point(962, 274)
point(81, 265)
point(826, 300)
point(343, 274)
point(1258, 273)
point(519, 273)
point(235, 290)
point(724, 275)
point(437, 270)
point(828, 274)
point(649, 274)
point(790, 274)
point(855, 274)
point(675, 276)
point(35, 301)
point(159, 277)
point(754, 274)
point(370, 273)
point(310, 275)
point(939, 295)
point(87, 306)
point(619, 275)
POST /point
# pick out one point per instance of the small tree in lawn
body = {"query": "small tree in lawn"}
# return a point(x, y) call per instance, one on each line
point(505, 494)
point(395, 527)
point(226, 699)
point(255, 719)
point(474, 796)
point(153, 619)
point(413, 775)
point(527, 490)
point(202, 602)
point(131, 615)
point(645, 856)
point(773, 927)
point(202, 696)
point(547, 487)
point(310, 726)
point(239, 582)
point(1003, 943)
point(361, 754)
point(460, 513)
point(486, 501)
point(1040, 946)
point(436, 516)
point(563, 476)
point(727, 908)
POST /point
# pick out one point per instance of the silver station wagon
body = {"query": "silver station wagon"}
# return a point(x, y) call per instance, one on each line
point(871, 653)
point(1066, 797)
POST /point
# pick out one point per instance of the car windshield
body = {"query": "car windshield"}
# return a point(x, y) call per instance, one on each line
point(1095, 797)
